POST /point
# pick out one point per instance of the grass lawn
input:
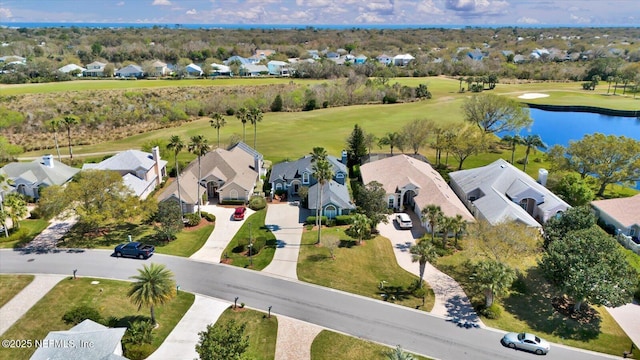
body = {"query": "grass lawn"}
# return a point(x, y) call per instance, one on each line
point(46, 315)
point(33, 226)
point(11, 285)
point(262, 331)
point(357, 268)
point(532, 310)
point(187, 242)
point(237, 250)
point(329, 345)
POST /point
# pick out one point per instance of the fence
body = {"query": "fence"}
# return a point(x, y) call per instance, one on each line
point(627, 242)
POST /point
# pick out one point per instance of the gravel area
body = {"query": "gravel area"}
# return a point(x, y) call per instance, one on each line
point(295, 338)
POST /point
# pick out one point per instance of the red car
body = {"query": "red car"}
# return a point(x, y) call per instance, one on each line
point(239, 213)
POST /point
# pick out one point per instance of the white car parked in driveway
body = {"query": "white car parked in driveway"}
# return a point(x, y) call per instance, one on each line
point(404, 221)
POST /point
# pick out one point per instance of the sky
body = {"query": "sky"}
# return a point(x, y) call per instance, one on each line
point(328, 12)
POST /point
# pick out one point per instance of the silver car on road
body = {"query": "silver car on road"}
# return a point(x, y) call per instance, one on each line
point(526, 341)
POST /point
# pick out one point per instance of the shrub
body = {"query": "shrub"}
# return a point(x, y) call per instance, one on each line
point(192, 219)
point(344, 219)
point(257, 203)
point(492, 312)
point(208, 216)
point(310, 105)
point(230, 111)
point(80, 313)
point(276, 105)
point(137, 351)
point(389, 99)
point(312, 220)
point(139, 332)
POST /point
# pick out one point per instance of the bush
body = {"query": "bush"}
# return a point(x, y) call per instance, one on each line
point(312, 220)
point(208, 216)
point(230, 111)
point(257, 203)
point(80, 313)
point(232, 202)
point(389, 99)
point(137, 351)
point(310, 105)
point(344, 220)
point(492, 312)
point(192, 219)
point(139, 332)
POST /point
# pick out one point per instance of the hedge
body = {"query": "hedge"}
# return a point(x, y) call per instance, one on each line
point(208, 216)
point(344, 220)
point(257, 203)
point(312, 220)
point(232, 202)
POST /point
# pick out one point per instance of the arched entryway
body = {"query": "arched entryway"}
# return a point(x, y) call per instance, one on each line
point(330, 211)
point(408, 199)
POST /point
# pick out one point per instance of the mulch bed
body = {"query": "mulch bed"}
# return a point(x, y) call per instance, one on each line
point(203, 223)
point(564, 306)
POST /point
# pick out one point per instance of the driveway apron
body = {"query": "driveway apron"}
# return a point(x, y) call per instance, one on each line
point(283, 220)
point(224, 230)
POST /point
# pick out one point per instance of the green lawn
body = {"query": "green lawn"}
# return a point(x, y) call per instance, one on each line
point(33, 228)
point(262, 331)
point(329, 345)
point(532, 310)
point(358, 269)
point(187, 241)
point(11, 285)
point(112, 301)
point(237, 253)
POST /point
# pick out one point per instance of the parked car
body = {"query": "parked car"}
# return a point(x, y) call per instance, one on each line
point(526, 341)
point(134, 249)
point(404, 221)
point(239, 213)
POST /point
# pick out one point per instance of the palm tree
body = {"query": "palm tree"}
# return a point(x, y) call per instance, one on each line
point(493, 279)
point(392, 139)
point(217, 121)
point(242, 114)
point(318, 154)
point(422, 252)
point(177, 145)
point(323, 172)
point(432, 214)
point(360, 227)
point(399, 354)
point(68, 122)
point(3, 214)
point(512, 141)
point(16, 208)
point(54, 125)
point(255, 116)
point(458, 226)
point(445, 226)
point(154, 285)
point(198, 146)
point(531, 142)
point(369, 141)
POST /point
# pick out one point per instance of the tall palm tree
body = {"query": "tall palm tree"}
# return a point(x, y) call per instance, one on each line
point(392, 139)
point(445, 226)
point(318, 154)
point(458, 226)
point(422, 252)
point(512, 141)
point(16, 208)
point(493, 278)
point(217, 121)
point(198, 146)
point(177, 145)
point(432, 214)
point(154, 285)
point(531, 142)
point(369, 141)
point(323, 172)
point(3, 214)
point(242, 114)
point(54, 125)
point(255, 116)
point(398, 354)
point(69, 121)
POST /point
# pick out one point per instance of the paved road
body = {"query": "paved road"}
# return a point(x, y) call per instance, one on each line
point(362, 317)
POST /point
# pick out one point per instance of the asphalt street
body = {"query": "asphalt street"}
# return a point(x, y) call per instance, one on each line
point(362, 317)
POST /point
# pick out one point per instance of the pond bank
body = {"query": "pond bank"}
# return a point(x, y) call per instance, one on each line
point(586, 109)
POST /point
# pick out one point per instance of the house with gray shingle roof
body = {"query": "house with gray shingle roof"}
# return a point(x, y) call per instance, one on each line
point(335, 199)
point(253, 70)
point(28, 177)
point(141, 171)
point(501, 192)
point(413, 184)
point(130, 71)
point(87, 340)
point(225, 174)
point(71, 67)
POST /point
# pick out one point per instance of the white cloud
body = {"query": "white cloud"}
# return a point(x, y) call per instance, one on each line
point(427, 6)
point(313, 3)
point(579, 19)
point(527, 20)
point(191, 12)
point(5, 13)
point(368, 18)
point(121, 3)
point(161, 2)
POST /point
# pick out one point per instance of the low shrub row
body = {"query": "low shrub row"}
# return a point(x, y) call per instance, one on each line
point(210, 217)
point(232, 202)
point(311, 220)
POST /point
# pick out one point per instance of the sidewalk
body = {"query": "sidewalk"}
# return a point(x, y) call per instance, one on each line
point(628, 317)
point(25, 299)
point(283, 221)
point(451, 300)
point(223, 232)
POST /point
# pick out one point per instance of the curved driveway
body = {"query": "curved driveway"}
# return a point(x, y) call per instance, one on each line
point(370, 319)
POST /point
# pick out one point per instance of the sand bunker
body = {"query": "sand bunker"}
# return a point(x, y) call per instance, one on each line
point(532, 96)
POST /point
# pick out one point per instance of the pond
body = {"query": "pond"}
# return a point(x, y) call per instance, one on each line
point(559, 127)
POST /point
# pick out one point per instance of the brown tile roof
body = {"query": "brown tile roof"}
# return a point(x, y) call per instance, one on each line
point(624, 210)
point(400, 170)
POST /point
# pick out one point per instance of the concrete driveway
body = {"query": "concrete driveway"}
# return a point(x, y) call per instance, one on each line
point(451, 300)
point(221, 235)
point(284, 221)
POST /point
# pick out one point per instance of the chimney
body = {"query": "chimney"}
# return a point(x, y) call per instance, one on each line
point(256, 164)
point(155, 151)
point(344, 157)
point(47, 160)
point(542, 177)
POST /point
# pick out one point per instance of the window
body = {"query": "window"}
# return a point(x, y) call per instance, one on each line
point(305, 177)
point(392, 201)
point(233, 194)
point(339, 175)
point(278, 186)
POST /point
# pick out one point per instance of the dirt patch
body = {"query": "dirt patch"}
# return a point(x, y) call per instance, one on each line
point(565, 307)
